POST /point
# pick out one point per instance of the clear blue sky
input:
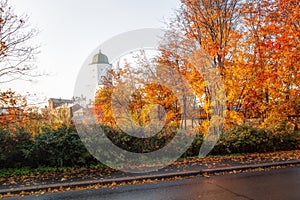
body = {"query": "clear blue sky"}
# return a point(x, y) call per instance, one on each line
point(72, 29)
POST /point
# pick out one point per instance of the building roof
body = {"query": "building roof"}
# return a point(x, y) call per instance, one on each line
point(55, 100)
point(100, 58)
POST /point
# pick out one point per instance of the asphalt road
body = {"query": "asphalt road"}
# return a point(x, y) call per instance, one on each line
point(274, 184)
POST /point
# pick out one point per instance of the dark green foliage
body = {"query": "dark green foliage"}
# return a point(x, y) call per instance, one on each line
point(14, 148)
point(193, 150)
point(63, 147)
point(54, 148)
point(247, 139)
point(139, 145)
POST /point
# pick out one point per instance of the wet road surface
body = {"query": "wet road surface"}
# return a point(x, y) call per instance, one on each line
point(274, 184)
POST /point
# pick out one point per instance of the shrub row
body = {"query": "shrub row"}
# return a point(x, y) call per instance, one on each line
point(247, 139)
point(63, 147)
point(54, 148)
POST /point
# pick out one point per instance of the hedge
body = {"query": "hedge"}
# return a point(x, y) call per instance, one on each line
point(247, 139)
point(63, 147)
point(15, 148)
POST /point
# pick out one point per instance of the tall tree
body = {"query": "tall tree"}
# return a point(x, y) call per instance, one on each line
point(272, 59)
point(16, 51)
point(253, 44)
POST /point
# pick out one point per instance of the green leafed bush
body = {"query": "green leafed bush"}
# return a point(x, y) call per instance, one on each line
point(248, 139)
point(63, 147)
point(15, 148)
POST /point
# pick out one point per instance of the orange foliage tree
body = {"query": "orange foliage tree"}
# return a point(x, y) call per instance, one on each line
point(13, 109)
point(136, 106)
point(254, 45)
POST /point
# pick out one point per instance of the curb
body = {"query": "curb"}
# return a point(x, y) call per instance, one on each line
point(151, 177)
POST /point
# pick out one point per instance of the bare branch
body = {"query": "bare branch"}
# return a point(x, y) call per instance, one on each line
point(16, 53)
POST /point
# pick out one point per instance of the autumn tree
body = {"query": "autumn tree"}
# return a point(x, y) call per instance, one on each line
point(270, 60)
point(13, 110)
point(16, 62)
point(249, 47)
point(208, 25)
point(16, 51)
point(102, 106)
point(155, 94)
point(138, 94)
point(253, 45)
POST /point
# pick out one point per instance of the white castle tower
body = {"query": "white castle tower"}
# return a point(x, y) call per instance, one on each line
point(100, 68)
point(94, 74)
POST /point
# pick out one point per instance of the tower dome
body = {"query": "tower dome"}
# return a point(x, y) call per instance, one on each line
point(100, 59)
